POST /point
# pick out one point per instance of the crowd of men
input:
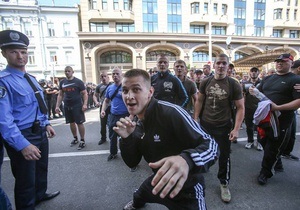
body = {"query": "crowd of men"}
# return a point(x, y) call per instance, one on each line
point(181, 123)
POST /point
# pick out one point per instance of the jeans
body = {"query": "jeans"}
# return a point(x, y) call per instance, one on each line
point(113, 136)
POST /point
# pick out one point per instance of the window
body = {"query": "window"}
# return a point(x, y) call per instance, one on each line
point(174, 16)
point(51, 31)
point(205, 10)
point(31, 58)
point(294, 34)
point(260, 1)
point(68, 57)
point(27, 28)
point(67, 31)
point(240, 30)
point(195, 8)
point(116, 4)
point(93, 4)
point(150, 17)
point(200, 56)
point(277, 14)
point(219, 30)
point(125, 27)
point(115, 57)
point(259, 14)
point(197, 29)
point(296, 3)
point(127, 4)
point(215, 8)
point(240, 12)
point(277, 33)
point(153, 55)
point(104, 5)
point(259, 31)
point(289, 3)
point(99, 27)
point(224, 9)
point(239, 55)
point(53, 57)
point(295, 14)
point(287, 14)
point(8, 25)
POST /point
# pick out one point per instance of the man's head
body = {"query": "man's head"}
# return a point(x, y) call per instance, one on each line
point(104, 77)
point(296, 67)
point(231, 71)
point(284, 63)
point(69, 72)
point(14, 48)
point(180, 68)
point(137, 91)
point(162, 63)
point(254, 72)
point(221, 66)
point(117, 75)
point(198, 75)
point(206, 70)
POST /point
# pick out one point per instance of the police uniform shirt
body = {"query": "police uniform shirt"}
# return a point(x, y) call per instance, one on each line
point(19, 107)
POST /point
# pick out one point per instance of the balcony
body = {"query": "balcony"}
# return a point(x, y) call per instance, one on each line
point(117, 15)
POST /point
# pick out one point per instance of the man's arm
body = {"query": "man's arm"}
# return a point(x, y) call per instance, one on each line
point(59, 100)
point(239, 117)
point(85, 99)
point(104, 107)
point(293, 105)
point(198, 106)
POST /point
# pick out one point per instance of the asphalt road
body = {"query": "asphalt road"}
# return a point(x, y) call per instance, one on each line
point(88, 182)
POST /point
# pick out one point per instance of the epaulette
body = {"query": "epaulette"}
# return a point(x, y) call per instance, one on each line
point(4, 74)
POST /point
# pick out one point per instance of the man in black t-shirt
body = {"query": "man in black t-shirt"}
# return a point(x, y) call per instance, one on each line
point(73, 92)
point(279, 89)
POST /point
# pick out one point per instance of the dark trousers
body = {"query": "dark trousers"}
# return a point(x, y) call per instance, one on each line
point(30, 176)
point(250, 127)
point(273, 148)
point(4, 201)
point(221, 134)
point(113, 136)
point(290, 146)
point(190, 197)
point(103, 124)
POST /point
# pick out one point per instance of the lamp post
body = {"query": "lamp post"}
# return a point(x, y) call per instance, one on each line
point(228, 41)
point(209, 32)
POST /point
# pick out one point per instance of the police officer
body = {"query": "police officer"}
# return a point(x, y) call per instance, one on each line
point(25, 126)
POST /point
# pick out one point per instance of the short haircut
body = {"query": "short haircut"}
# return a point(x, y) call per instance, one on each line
point(68, 68)
point(231, 66)
point(222, 55)
point(138, 72)
point(254, 69)
point(181, 62)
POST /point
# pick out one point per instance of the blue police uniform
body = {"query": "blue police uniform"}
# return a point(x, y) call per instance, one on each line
point(20, 109)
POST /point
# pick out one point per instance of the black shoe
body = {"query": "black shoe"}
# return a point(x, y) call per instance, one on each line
point(262, 179)
point(101, 142)
point(290, 157)
point(111, 157)
point(48, 196)
point(133, 169)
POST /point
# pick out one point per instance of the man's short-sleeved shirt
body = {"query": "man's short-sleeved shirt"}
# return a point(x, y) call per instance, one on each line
point(217, 108)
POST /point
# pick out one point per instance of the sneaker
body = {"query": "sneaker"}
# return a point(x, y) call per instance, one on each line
point(225, 193)
point(262, 179)
point(133, 169)
point(259, 147)
point(130, 206)
point(290, 157)
point(249, 145)
point(81, 145)
point(111, 157)
point(101, 142)
point(75, 141)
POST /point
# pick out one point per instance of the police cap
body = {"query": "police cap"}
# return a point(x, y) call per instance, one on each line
point(13, 39)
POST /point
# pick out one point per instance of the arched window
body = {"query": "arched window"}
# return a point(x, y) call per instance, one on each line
point(116, 57)
point(202, 56)
point(152, 55)
point(239, 55)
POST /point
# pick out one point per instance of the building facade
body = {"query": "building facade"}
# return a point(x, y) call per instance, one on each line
point(52, 32)
point(131, 33)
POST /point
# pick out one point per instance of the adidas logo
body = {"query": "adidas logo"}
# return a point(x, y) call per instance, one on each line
point(156, 138)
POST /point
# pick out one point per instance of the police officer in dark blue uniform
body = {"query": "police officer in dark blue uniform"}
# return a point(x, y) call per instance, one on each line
point(24, 125)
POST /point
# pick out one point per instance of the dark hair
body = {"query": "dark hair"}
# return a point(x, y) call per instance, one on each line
point(180, 61)
point(138, 72)
point(222, 55)
point(231, 65)
point(254, 69)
